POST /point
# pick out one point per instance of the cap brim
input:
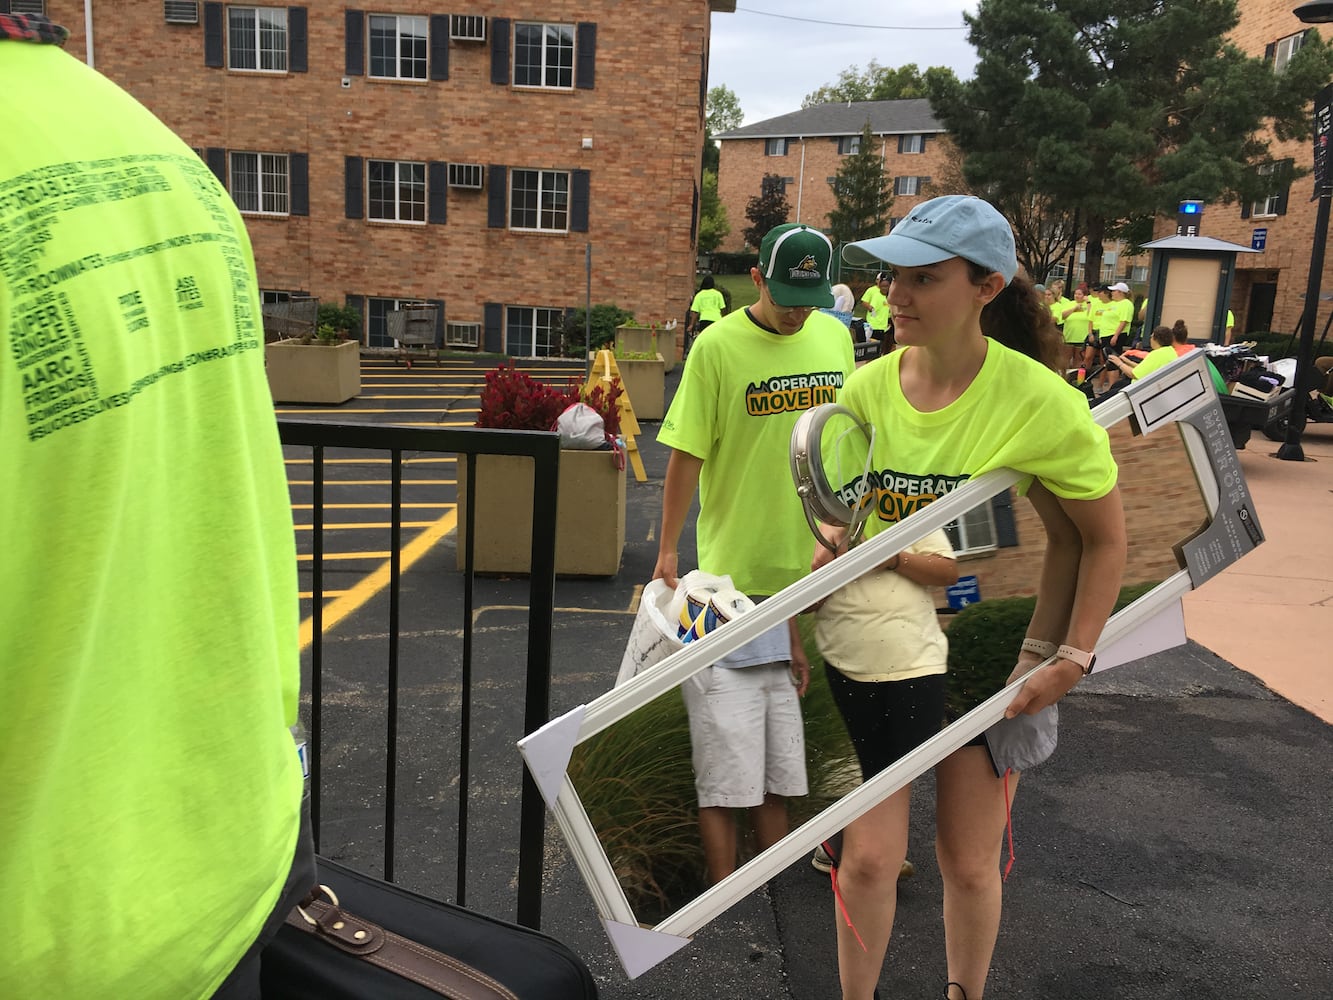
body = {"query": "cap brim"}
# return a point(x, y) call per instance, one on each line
point(820, 297)
point(901, 251)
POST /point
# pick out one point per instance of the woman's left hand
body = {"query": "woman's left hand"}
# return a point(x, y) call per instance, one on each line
point(1047, 686)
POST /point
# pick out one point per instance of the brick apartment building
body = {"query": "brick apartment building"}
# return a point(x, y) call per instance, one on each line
point(805, 148)
point(1269, 288)
point(468, 158)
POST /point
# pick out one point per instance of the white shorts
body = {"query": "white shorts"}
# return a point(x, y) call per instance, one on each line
point(747, 736)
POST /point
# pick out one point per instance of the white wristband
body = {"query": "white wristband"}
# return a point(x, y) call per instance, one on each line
point(1039, 646)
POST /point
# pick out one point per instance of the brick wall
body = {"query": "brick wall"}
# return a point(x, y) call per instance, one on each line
point(644, 118)
point(810, 162)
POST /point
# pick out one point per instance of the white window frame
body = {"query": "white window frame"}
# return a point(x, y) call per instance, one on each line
point(271, 172)
point(413, 29)
point(266, 19)
point(974, 532)
point(914, 143)
point(1266, 208)
point(555, 55)
point(553, 318)
point(545, 184)
point(775, 147)
point(849, 145)
point(907, 186)
point(1285, 49)
point(408, 193)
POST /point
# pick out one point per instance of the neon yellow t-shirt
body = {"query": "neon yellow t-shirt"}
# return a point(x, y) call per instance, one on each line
point(1058, 308)
point(877, 311)
point(1158, 357)
point(149, 790)
point(708, 303)
point(1078, 323)
point(738, 400)
point(1016, 414)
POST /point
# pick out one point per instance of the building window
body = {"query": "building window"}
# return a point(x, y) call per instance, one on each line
point(543, 55)
point(259, 183)
point(849, 145)
point(1268, 205)
point(906, 186)
point(272, 296)
point(533, 331)
point(772, 184)
point(257, 38)
point(398, 46)
point(893, 221)
point(915, 143)
point(775, 147)
point(1138, 274)
point(974, 531)
point(539, 199)
point(396, 191)
point(1285, 49)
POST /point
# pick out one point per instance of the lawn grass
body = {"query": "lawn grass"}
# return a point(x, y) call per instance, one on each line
point(738, 288)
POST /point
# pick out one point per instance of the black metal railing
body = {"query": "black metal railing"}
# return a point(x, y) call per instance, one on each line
point(544, 449)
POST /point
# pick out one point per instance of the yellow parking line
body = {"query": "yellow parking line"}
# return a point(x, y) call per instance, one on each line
point(364, 524)
point(379, 482)
point(353, 599)
point(342, 556)
point(372, 461)
point(372, 506)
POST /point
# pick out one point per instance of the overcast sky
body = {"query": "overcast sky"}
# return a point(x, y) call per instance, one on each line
point(771, 53)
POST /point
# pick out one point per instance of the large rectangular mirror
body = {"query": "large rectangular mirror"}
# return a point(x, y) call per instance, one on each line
point(617, 771)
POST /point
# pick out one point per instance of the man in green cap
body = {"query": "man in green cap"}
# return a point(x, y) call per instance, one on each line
point(729, 428)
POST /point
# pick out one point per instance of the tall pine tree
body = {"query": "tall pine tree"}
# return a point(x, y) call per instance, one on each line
point(864, 198)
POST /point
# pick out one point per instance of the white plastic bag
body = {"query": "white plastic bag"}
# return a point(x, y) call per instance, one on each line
point(656, 633)
point(580, 426)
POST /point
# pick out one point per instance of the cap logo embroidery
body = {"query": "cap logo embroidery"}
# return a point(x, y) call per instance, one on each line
point(807, 268)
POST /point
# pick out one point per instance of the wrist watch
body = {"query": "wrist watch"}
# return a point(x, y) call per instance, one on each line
point(1085, 660)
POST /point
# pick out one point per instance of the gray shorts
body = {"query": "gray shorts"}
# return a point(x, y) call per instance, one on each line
point(747, 736)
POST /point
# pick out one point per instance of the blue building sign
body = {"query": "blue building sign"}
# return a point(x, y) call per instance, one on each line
point(966, 591)
point(1258, 239)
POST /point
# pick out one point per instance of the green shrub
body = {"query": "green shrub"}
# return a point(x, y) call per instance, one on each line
point(574, 334)
point(984, 641)
point(342, 318)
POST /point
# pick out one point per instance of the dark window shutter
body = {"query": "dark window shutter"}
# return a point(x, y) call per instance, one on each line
point(1270, 52)
point(500, 50)
point(585, 59)
point(296, 39)
point(298, 169)
point(703, 84)
point(439, 312)
point(354, 27)
point(1006, 531)
point(437, 192)
point(213, 34)
point(358, 302)
point(439, 46)
point(497, 183)
point(694, 218)
point(1282, 174)
point(902, 141)
point(217, 162)
point(492, 323)
point(579, 190)
point(1245, 210)
point(352, 180)
point(925, 138)
point(837, 141)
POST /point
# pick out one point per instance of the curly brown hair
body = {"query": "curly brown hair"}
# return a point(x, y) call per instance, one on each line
point(1020, 320)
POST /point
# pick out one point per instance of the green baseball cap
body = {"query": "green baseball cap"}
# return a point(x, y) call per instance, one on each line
point(795, 262)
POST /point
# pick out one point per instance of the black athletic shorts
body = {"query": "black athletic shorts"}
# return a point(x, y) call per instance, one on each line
point(887, 719)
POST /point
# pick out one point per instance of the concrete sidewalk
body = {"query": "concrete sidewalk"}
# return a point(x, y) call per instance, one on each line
point(1271, 614)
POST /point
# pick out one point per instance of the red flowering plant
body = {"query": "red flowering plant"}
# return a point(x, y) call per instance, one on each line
point(514, 400)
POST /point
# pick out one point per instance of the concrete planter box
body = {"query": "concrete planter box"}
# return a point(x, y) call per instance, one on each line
point(313, 373)
point(645, 381)
point(590, 514)
point(647, 340)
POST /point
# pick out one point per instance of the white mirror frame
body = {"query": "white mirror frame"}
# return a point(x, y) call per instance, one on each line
point(1180, 393)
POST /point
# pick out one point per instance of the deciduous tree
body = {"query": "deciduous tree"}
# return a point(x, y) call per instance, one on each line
point(713, 224)
point(876, 83)
point(767, 209)
point(721, 114)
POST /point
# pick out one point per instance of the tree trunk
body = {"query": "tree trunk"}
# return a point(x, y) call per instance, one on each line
point(1092, 268)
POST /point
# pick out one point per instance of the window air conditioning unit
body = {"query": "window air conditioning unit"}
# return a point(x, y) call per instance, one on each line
point(180, 11)
point(465, 175)
point(462, 334)
point(467, 27)
point(27, 7)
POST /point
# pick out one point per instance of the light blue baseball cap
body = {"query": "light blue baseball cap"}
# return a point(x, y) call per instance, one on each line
point(954, 225)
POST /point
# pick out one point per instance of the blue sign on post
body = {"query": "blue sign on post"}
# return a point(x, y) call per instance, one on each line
point(1258, 239)
point(966, 591)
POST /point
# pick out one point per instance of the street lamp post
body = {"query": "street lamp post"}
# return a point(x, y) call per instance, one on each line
point(1315, 12)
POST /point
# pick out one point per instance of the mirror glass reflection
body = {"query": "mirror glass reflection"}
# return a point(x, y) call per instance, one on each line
point(635, 779)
